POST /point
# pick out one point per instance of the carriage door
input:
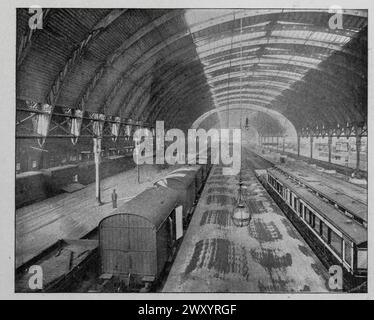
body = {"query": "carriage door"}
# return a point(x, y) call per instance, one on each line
point(178, 222)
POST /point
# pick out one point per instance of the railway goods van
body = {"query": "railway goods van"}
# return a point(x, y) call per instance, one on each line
point(141, 235)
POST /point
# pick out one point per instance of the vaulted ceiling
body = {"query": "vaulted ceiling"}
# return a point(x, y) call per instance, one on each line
point(175, 65)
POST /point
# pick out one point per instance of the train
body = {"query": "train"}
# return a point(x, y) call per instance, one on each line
point(142, 235)
point(344, 238)
point(35, 186)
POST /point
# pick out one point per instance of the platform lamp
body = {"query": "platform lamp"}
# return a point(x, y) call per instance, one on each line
point(115, 128)
point(41, 120)
point(246, 124)
point(128, 128)
point(76, 124)
point(241, 217)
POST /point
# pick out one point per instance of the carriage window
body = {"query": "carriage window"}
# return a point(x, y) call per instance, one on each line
point(348, 251)
point(306, 216)
point(325, 232)
point(301, 208)
point(311, 219)
point(336, 243)
point(362, 259)
point(317, 224)
point(18, 166)
point(34, 164)
point(295, 201)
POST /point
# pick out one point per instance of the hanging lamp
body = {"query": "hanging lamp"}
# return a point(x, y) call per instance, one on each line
point(241, 217)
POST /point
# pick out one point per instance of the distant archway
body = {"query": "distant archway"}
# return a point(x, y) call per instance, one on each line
point(287, 124)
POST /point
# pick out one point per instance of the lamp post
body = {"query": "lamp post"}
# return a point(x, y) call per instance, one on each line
point(97, 126)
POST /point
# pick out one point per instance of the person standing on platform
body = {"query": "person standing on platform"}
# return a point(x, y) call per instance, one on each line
point(114, 198)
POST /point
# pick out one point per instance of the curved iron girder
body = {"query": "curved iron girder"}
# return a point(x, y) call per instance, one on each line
point(266, 102)
point(265, 60)
point(277, 70)
point(279, 52)
point(163, 108)
point(178, 80)
point(152, 23)
point(275, 27)
point(77, 54)
point(119, 83)
point(272, 105)
point(121, 50)
point(289, 68)
point(142, 59)
point(325, 84)
point(194, 60)
point(242, 92)
point(274, 100)
point(162, 90)
point(333, 82)
point(172, 77)
point(172, 116)
point(128, 95)
point(263, 41)
point(332, 112)
point(213, 22)
point(253, 107)
point(158, 105)
point(283, 53)
point(261, 95)
point(249, 85)
point(277, 85)
point(180, 35)
point(200, 98)
point(316, 86)
point(327, 111)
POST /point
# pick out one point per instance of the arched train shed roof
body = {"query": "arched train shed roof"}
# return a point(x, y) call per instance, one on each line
point(175, 65)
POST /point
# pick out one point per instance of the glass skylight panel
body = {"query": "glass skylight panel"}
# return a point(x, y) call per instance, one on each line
point(253, 83)
point(272, 73)
point(220, 51)
point(225, 43)
point(293, 23)
point(244, 96)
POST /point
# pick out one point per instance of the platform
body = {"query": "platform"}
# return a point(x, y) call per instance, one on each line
point(73, 215)
point(269, 255)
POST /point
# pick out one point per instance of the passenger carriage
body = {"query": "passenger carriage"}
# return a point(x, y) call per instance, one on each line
point(343, 236)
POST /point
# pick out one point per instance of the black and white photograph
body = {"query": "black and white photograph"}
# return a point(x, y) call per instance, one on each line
point(171, 150)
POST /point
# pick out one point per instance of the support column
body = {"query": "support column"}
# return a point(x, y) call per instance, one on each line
point(298, 145)
point(311, 147)
point(283, 143)
point(277, 144)
point(358, 149)
point(97, 154)
point(329, 143)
